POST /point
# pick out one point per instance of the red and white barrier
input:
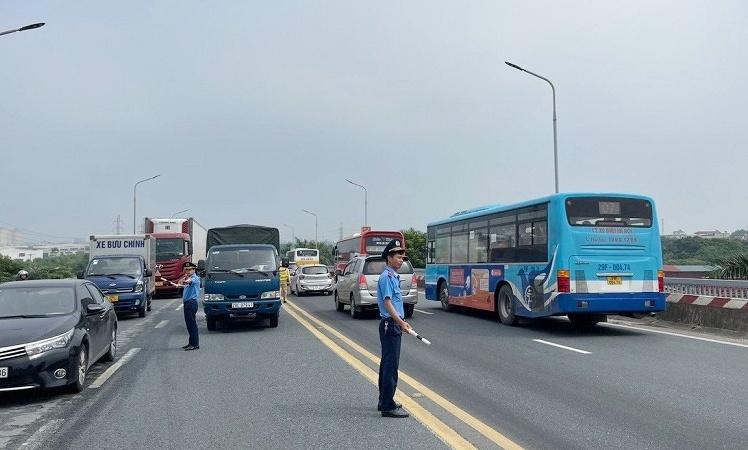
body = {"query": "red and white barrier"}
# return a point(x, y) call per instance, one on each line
point(703, 300)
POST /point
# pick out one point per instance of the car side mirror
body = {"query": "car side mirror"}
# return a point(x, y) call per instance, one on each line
point(148, 273)
point(338, 272)
point(94, 308)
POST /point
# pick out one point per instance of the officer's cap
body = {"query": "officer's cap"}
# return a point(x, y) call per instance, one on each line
point(190, 265)
point(395, 246)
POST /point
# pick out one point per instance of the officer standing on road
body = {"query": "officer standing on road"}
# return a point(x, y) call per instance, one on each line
point(191, 283)
point(391, 329)
point(284, 277)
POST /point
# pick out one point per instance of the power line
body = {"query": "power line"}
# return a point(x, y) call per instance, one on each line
point(36, 232)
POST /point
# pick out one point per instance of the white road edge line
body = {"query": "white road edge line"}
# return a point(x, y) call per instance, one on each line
point(113, 368)
point(179, 307)
point(670, 333)
point(42, 434)
point(422, 312)
point(584, 352)
point(161, 324)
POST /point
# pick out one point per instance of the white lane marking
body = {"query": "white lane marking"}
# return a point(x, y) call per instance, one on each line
point(584, 352)
point(162, 324)
point(422, 312)
point(670, 333)
point(113, 368)
point(179, 307)
point(42, 434)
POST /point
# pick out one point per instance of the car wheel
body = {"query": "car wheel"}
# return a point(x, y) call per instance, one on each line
point(506, 306)
point(355, 313)
point(409, 310)
point(274, 320)
point(444, 296)
point(109, 355)
point(81, 368)
point(338, 306)
point(150, 299)
point(211, 321)
point(141, 311)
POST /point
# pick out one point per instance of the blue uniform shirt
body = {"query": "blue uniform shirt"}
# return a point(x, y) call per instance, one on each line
point(192, 290)
point(389, 286)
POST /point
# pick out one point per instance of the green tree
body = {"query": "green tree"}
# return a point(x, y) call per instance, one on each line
point(415, 242)
point(732, 268)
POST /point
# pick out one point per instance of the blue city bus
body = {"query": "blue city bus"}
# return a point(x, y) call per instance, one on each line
point(582, 255)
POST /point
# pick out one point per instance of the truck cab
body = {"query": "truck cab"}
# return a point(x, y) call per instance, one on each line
point(126, 280)
point(241, 282)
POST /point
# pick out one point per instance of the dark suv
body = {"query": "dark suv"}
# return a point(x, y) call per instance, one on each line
point(357, 285)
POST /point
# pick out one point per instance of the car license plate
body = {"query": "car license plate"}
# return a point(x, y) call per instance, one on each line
point(242, 305)
point(113, 298)
point(159, 283)
point(3, 372)
point(616, 281)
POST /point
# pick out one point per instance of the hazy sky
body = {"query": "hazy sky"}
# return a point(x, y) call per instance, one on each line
point(252, 111)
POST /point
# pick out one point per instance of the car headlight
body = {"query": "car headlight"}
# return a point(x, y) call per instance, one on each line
point(270, 294)
point(139, 286)
point(213, 297)
point(61, 341)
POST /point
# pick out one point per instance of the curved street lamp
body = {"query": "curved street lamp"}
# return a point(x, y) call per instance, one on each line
point(134, 200)
point(366, 201)
point(553, 89)
point(316, 242)
point(179, 212)
point(27, 27)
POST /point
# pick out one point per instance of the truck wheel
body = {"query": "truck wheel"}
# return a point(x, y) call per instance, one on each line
point(338, 305)
point(211, 321)
point(141, 311)
point(409, 310)
point(274, 320)
point(507, 312)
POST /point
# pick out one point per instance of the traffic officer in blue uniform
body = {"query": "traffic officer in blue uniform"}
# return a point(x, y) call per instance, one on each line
point(391, 328)
point(191, 284)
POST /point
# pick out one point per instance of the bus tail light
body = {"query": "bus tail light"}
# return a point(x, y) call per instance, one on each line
point(661, 280)
point(564, 282)
point(362, 281)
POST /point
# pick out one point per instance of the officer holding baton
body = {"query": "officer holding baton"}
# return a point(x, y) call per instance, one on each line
point(391, 328)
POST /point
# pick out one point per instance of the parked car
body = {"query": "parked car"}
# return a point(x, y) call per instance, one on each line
point(357, 285)
point(52, 332)
point(311, 278)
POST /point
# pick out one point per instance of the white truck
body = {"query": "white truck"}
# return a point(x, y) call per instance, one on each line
point(177, 242)
point(122, 266)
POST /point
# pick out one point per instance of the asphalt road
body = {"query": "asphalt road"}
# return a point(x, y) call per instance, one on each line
point(311, 383)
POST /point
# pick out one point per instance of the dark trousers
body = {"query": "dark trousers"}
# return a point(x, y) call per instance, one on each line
point(390, 336)
point(190, 311)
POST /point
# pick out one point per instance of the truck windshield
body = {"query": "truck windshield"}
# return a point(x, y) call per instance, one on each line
point(242, 260)
point(169, 248)
point(114, 266)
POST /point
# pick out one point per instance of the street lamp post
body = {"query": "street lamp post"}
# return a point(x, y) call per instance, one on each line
point(134, 200)
point(366, 201)
point(27, 27)
point(555, 144)
point(316, 242)
point(179, 212)
point(293, 233)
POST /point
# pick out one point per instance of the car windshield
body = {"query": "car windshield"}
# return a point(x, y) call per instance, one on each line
point(314, 270)
point(376, 267)
point(36, 301)
point(114, 266)
point(254, 259)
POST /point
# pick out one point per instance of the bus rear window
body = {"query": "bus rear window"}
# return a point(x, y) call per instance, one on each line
point(376, 244)
point(608, 212)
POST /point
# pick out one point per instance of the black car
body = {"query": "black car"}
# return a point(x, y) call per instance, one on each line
point(52, 332)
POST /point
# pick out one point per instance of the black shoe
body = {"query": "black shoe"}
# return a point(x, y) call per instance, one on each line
point(192, 347)
point(397, 405)
point(399, 413)
point(185, 346)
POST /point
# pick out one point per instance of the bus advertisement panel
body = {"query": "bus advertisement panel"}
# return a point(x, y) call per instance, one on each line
point(303, 256)
point(580, 255)
point(369, 242)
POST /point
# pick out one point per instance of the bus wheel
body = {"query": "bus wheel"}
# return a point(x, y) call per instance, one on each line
point(506, 308)
point(444, 296)
point(586, 320)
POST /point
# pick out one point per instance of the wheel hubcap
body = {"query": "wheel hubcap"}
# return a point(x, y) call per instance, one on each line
point(82, 366)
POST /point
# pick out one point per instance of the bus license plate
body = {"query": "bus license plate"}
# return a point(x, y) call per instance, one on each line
point(616, 281)
point(3, 372)
point(242, 305)
point(113, 298)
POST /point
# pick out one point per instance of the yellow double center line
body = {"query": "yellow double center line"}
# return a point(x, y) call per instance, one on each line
point(450, 436)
